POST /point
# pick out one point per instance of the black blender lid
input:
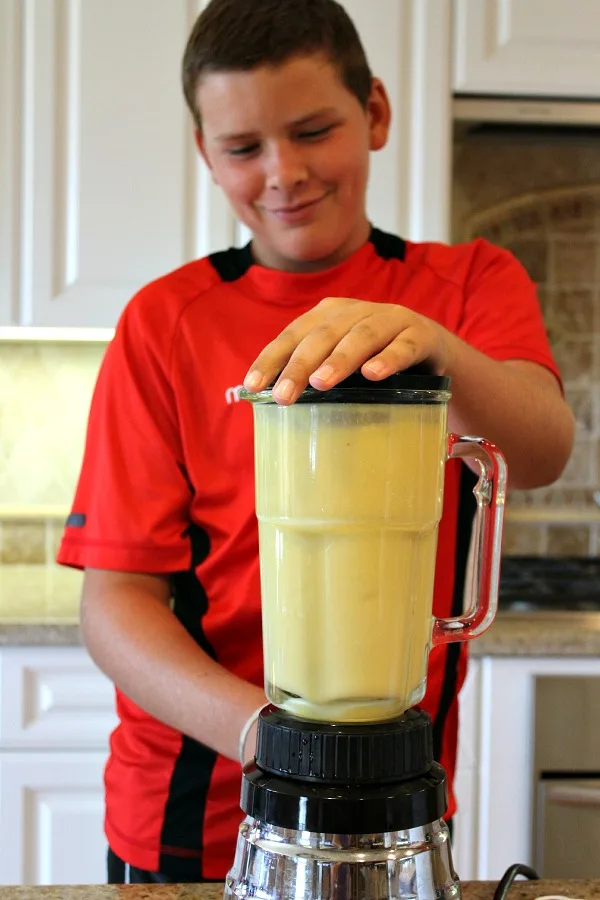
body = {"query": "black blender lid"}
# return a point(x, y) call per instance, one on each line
point(417, 384)
point(416, 378)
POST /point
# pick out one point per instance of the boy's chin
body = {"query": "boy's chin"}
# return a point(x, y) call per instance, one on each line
point(311, 249)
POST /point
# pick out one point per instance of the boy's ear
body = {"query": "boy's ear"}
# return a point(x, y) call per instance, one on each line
point(202, 150)
point(379, 114)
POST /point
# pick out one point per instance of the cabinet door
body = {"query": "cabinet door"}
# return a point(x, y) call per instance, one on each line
point(408, 43)
point(464, 844)
point(54, 698)
point(51, 826)
point(105, 188)
point(543, 47)
point(9, 162)
point(506, 783)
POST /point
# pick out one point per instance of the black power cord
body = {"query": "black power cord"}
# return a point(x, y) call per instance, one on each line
point(510, 875)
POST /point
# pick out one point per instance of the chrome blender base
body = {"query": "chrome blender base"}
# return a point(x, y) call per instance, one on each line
point(273, 863)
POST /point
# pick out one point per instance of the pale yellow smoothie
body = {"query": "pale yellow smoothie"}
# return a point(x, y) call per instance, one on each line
point(349, 498)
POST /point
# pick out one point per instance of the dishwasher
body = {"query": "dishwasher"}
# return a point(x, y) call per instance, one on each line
point(566, 830)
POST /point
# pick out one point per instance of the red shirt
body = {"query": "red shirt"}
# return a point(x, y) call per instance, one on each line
point(167, 486)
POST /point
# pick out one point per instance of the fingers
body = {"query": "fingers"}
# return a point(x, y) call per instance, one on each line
point(407, 349)
point(336, 338)
point(328, 342)
point(365, 338)
point(301, 347)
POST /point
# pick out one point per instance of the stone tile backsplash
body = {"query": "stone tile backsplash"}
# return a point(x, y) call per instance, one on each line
point(45, 392)
point(537, 193)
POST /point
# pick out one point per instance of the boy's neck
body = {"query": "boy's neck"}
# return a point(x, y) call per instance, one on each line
point(269, 259)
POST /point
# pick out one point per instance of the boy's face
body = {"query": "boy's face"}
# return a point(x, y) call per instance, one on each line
point(290, 146)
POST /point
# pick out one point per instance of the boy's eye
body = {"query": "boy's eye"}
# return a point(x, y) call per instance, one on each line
point(246, 150)
point(315, 132)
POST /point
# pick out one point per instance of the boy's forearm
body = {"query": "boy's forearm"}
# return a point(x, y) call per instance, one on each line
point(517, 406)
point(133, 636)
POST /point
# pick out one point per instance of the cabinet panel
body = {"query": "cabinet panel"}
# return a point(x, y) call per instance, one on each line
point(53, 697)
point(105, 189)
point(507, 770)
point(9, 156)
point(110, 177)
point(464, 844)
point(51, 827)
point(540, 47)
point(408, 44)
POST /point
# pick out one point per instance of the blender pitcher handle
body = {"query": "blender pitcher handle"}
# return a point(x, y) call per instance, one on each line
point(490, 492)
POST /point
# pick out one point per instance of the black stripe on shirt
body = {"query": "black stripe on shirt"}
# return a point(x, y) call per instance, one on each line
point(233, 263)
point(182, 832)
point(388, 246)
point(466, 510)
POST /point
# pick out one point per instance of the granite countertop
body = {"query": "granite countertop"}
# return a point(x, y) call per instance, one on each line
point(39, 605)
point(474, 890)
point(540, 633)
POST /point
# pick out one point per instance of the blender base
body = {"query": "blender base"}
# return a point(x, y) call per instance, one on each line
point(273, 863)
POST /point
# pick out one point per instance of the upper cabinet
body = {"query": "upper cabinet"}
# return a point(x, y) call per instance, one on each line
point(101, 186)
point(527, 47)
point(104, 191)
point(408, 43)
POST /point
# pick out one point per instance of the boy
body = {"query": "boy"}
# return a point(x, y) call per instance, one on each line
point(163, 522)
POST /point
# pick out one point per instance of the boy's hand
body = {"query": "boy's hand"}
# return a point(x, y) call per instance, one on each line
point(341, 335)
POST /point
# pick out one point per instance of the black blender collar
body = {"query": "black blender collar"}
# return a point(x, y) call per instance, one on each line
point(416, 384)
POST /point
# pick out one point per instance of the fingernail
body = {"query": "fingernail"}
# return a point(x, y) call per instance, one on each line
point(325, 373)
point(285, 389)
point(377, 367)
point(253, 380)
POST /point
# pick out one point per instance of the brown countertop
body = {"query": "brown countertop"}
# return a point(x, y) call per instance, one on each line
point(474, 890)
point(540, 634)
point(39, 605)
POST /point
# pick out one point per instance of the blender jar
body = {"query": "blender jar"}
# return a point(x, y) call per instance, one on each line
point(349, 490)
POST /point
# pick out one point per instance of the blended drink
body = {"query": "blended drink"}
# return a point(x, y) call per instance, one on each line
point(349, 497)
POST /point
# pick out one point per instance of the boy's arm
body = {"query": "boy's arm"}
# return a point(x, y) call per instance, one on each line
point(517, 405)
point(132, 635)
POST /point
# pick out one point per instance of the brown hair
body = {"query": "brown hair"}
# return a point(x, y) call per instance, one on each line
point(240, 35)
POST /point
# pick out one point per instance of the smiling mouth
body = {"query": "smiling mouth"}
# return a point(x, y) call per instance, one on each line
point(296, 210)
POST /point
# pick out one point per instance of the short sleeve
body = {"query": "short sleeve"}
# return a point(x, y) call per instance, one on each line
point(131, 506)
point(501, 314)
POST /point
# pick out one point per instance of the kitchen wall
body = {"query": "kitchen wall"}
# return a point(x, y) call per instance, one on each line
point(45, 391)
point(538, 194)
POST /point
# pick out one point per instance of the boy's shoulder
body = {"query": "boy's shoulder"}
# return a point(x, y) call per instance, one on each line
point(458, 263)
point(168, 295)
point(159, 305)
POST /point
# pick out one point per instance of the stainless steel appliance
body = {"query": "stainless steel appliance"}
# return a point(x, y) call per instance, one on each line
point(549, 584)
point(567, 777)
point(344, 800)
point(545, 111)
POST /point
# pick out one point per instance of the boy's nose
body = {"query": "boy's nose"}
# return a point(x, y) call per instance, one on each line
point(285, 168)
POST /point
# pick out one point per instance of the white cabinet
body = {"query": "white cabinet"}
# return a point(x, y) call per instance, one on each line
point(102, 188)
point(527, 47)
point(408, 43)
point(56, 714)
point(496, 761)
point(104, 191)
point(51, 822)
point(466, 782)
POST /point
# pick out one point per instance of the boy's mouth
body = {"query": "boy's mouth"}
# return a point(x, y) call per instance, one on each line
point(297, 211)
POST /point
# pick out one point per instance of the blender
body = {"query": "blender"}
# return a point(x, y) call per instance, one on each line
point(344, 800)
